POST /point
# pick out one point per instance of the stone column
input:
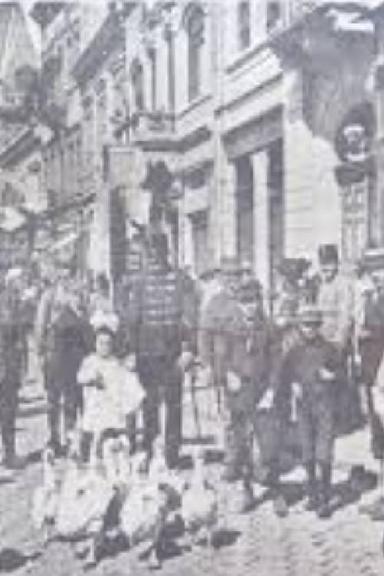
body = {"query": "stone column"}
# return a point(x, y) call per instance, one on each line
point(299, 168)
point(227, 232)
point(260, 166)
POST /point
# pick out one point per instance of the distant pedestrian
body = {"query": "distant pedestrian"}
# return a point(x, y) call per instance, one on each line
point(11, 360)
point(101, 298)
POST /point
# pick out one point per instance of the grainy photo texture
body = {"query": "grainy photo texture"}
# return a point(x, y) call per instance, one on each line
point(192, 287)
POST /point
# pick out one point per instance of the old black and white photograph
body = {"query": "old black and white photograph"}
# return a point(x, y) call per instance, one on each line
point(192, 287)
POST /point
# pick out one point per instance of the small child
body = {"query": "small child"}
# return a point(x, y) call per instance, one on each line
point(111, 391)
point(312, 368)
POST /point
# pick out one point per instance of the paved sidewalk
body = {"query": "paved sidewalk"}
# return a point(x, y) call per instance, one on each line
point(258, 542)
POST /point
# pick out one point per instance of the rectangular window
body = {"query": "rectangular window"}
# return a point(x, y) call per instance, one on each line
point(245, 209)
point(244, 25)
point(200, 241)
point(274, 14)
point(195, 31)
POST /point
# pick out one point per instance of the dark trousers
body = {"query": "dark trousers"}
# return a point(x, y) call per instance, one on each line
point(8, 408)
point(62, 399)
point(162, 381)
point(238, 444)
point(317, 434)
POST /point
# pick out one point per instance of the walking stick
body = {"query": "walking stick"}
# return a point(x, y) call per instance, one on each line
point(195, 407)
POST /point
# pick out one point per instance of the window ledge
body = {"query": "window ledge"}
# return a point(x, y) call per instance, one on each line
point(244, 56)
point(195, 103)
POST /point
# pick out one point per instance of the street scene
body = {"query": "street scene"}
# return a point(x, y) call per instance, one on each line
point(192, 287)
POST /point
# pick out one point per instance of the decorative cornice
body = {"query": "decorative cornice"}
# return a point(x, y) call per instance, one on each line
point(19, 148)
point(108, 39)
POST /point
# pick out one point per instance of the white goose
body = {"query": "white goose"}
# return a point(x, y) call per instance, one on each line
point(143, 513)
point(45, 497)
point(199, 506)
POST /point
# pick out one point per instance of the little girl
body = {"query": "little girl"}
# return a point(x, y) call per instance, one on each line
point(111, 391)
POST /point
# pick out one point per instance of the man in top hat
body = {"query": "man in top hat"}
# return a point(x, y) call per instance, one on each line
point(335, 299)
point(312, 370)
point(336, 302)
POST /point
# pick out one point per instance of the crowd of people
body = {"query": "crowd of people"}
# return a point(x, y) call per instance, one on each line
point(105, 355)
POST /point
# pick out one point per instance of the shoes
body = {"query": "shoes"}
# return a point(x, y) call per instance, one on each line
point(374, 509)
point(312, 502)
point(324, 510)
point(230, 474)
point(280, 506)
point(247, 501)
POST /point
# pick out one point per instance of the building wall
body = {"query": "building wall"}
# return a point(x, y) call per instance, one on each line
point(250, 103)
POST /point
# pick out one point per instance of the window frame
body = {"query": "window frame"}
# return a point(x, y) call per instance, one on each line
point(195, 29)
point(244, 24)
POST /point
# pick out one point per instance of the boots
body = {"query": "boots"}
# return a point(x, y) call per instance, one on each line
point(312, 494)
point(324, 509)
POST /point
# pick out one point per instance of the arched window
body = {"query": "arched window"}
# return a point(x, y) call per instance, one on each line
point(195, 33)
point(137, 79)
point(244, 24)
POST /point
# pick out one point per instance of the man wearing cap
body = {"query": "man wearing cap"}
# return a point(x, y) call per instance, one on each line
point(224, 338)
point(312, 370)
point(158, 328)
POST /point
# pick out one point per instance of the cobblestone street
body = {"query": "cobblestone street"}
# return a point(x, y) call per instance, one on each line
point(258, 542)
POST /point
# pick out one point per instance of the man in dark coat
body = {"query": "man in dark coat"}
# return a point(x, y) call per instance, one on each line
point(312, 369)
point(11, 354)
point(157, 331)
point(63, 339)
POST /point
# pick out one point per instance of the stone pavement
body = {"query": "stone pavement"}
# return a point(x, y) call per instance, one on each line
point(257, 543)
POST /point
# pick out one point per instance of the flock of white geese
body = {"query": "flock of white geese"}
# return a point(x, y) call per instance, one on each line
point(122, 495)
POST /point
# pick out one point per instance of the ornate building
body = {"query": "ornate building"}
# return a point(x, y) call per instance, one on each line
point(19, 145)
point(242, 128)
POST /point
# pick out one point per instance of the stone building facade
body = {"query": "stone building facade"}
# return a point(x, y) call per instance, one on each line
point(262, 113)
point(20, 166)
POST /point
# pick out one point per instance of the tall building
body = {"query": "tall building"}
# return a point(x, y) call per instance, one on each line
point(20, 166)
point(242, 128)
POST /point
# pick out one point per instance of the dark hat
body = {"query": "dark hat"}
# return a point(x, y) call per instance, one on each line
point(310, 314)
point(293, 268)
point(328, 253)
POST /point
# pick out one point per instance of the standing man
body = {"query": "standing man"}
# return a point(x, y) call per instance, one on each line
point(335, 301)
point(11, 359)
point(226, 348)
point(62, 336)
point(157, 332)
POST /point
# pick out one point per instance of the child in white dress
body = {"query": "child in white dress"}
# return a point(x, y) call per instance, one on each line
point(111, 390)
